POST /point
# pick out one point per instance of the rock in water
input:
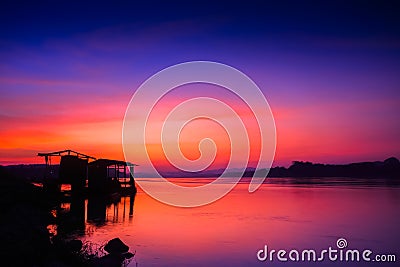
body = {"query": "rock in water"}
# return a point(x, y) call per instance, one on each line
point(118, 252)
point(116, 246)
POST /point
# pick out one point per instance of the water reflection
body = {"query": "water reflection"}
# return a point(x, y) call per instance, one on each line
point(283, 214)
point(77, 216)
point(96, 210)
point(70, 217)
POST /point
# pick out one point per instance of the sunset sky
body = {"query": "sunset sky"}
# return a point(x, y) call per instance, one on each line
point(330, 72)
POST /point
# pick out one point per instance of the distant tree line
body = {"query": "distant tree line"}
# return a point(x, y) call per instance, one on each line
point(389, 168)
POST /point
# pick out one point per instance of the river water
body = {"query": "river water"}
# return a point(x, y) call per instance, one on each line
point(283, 214)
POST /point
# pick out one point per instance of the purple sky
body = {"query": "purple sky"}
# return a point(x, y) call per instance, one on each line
point(330, 71)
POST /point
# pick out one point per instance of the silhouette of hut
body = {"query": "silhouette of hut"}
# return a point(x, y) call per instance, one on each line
point(105, 174)
point(73, 169)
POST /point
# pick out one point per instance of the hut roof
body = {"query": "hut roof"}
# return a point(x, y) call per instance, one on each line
point(108, 162)
point(66, 152)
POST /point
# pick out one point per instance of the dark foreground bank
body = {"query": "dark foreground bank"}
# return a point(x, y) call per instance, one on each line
point(26, 241)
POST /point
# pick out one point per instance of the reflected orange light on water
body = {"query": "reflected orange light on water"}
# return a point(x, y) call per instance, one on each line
point(234, 227)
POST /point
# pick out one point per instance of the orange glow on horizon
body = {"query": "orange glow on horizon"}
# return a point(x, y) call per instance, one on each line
point(326, 133)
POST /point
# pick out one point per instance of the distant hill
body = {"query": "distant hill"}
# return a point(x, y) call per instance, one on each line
point(389, 168)
point(31, 172)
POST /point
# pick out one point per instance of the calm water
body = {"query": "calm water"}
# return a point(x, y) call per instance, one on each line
point(282, 214)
